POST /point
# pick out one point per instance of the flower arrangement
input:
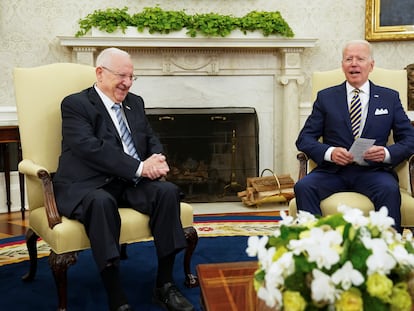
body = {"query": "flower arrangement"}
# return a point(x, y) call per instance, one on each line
point(343, 262)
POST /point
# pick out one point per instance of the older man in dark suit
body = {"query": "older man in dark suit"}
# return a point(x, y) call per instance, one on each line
point(341, 114)
point(111, 157)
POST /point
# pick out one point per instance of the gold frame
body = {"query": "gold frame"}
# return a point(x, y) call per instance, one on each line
point(375, 32)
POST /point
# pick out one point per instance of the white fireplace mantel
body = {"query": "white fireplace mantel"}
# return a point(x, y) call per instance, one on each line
point(167, 41)
point(265, 72)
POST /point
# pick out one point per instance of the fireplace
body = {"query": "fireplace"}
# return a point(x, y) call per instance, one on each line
point(211, 151)
point(236, 71)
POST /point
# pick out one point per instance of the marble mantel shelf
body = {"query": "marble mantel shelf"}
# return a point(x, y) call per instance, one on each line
point(174, 42)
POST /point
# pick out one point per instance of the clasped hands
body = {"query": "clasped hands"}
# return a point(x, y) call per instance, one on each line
point(341, 156)
point(155, 167)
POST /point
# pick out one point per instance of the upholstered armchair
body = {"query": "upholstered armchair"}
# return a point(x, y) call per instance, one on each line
point(395, 79)
point(39, 92)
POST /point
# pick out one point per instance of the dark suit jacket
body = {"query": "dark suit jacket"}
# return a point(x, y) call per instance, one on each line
point(92, 153)
point(330, 121)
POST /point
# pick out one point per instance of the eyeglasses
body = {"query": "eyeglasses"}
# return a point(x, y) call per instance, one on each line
point(121, 75)
point(358, 60)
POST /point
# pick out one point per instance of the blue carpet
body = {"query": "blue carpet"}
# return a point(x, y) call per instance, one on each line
point(85, 291)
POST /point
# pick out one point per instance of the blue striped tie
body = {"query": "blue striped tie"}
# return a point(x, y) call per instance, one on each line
point(125, 134)
point(355, 113)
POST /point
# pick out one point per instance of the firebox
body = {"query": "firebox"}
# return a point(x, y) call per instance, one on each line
point(210, 151)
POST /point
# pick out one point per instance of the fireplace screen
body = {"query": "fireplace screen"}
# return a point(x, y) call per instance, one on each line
point(211, 151)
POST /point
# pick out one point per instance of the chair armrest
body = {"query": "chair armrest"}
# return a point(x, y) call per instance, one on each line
point(30, 168)
point(411, 173)
point(303, 164)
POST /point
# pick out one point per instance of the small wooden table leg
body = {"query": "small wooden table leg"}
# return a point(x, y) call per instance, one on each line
point(6, 165)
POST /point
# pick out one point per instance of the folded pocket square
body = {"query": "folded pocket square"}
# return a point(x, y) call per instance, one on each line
point(381, 111)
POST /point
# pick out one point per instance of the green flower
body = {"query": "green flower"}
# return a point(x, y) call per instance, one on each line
point(400, 299)
point(379, 286)
point(350, 300)
point(293, 301)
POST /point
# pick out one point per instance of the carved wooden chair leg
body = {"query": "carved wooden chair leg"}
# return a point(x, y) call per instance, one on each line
point(191, 236)
point(59, 263)
point(124, 254)
point(31, 241)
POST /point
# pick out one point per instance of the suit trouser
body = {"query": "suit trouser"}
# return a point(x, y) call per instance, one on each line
point(160, 200)
point(380, 185)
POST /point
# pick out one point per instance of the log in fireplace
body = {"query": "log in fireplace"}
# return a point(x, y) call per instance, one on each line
point(211, 151)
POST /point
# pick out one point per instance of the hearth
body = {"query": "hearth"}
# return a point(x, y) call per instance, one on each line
point(211, 151)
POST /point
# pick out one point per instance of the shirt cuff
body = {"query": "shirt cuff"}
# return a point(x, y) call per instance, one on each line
point(328, 154)
point(138, 173)
point(387, 158)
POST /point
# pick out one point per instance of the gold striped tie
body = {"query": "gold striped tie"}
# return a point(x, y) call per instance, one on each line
point(355, 113)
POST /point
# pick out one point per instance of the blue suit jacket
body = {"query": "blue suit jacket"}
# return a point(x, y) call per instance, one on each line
point(92, 153)
point(330, 121)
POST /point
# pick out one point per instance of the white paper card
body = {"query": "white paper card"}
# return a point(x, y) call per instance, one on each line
point(358, 148)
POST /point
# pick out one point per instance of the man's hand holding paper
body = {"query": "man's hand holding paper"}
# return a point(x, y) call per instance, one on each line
point(361, 151)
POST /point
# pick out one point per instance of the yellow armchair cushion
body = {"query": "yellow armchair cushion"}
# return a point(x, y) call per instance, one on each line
point(134, 228)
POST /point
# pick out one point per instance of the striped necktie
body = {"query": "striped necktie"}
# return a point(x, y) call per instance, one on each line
point(125, 134)
point(355, 113)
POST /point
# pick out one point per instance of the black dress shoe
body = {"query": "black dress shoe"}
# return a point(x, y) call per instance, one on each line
point(170, 298)
point(126, 307)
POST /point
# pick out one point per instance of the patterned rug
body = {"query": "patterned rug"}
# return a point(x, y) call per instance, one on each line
point(14, 249)
point(246, 225)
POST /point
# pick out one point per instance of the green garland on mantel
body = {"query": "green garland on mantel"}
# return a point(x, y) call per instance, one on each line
point(157, 20)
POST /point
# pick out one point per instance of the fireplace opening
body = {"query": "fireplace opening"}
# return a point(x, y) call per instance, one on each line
point(210, 151)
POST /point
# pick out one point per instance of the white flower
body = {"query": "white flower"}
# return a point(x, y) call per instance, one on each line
point(380, 219)
point(266, 258)
point(322, 287)
point(272, 296)
point(286, 220)
point(276, 233)
point(321, 247)
point(409, 236)
point(274, 275)
point(286, 264)
point(381, 263)
point(380, 260)
point(305, 218)
point(347, 276)
point(402, 256)
point(354, 216)
point(255, 245)
point(390, 237)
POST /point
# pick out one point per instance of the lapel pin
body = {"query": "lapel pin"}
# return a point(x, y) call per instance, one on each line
point(376, 95)
point(127, 107)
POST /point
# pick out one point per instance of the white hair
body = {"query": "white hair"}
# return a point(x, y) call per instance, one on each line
point(359, 41)
point(104, 58)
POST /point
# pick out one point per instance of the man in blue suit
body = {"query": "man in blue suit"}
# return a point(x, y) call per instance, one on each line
point(331, 129)
point(111, 157)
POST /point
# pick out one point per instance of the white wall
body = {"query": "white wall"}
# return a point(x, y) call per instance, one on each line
point(29, 30)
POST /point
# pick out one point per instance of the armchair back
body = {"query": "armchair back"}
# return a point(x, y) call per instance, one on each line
point(39, 92)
